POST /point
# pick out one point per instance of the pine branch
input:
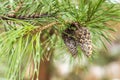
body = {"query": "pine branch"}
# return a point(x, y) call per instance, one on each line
point(26, 17)
point(39, 29)
point(25, 40)
point(14, 13)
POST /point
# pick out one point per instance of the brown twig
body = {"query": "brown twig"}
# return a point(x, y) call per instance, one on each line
point(44, 27)
point(25, 17)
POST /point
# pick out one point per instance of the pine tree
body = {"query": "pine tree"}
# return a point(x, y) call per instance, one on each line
point(32, 29)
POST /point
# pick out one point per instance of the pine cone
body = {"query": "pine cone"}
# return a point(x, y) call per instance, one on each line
point(83, 40)
point(69, 40)
point(77, 36)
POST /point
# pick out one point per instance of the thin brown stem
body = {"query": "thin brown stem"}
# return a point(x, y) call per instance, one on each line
point(43, 28)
